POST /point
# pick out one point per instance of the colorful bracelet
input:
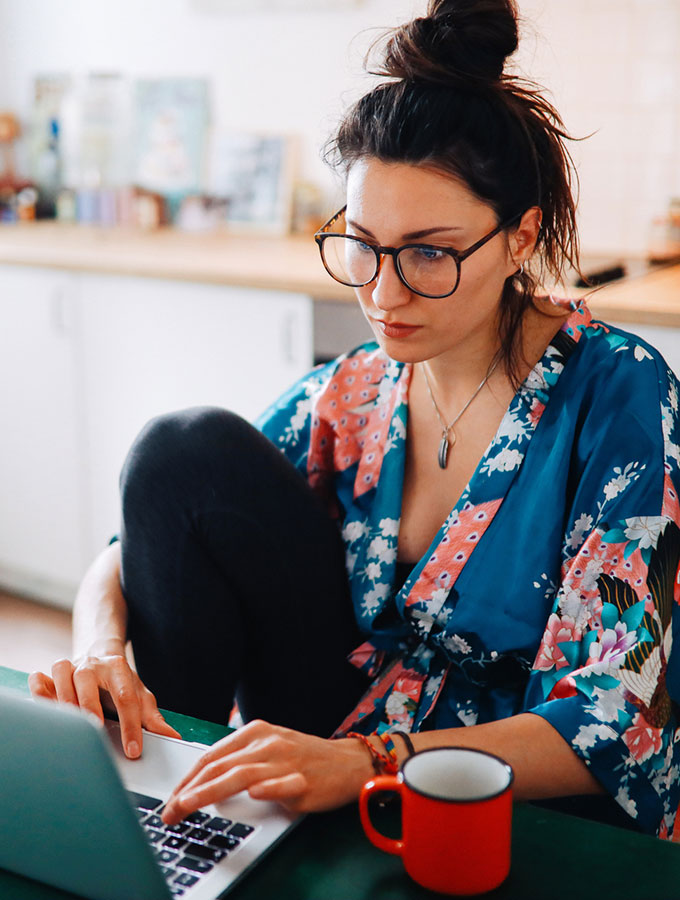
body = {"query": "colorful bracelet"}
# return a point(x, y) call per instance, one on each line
point(381, 765)
point(392, 765)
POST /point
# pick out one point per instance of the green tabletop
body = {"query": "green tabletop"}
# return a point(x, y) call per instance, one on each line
point(327, 856)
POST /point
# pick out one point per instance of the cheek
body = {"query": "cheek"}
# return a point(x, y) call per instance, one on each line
point(485, 275)
point(363, 296)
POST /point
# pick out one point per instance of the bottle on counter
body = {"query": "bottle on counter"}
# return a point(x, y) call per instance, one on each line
point(48, 173)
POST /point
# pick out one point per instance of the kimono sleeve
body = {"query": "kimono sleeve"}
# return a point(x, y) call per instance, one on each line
point(604, 676)
point(288, 421)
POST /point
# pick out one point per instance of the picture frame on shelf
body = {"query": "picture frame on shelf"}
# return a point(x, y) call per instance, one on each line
point(254, 174)
point(171, 119)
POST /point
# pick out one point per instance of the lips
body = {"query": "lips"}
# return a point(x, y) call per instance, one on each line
point(396, 329)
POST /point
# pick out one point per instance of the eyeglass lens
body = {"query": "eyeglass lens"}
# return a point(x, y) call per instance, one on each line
point(425, 269)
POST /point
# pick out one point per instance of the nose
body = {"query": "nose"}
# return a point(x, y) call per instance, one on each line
point(389, 292)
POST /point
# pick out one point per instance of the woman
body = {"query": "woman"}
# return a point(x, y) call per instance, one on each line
point(502, 468)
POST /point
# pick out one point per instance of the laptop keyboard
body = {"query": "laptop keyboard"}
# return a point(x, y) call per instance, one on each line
point(190, 849)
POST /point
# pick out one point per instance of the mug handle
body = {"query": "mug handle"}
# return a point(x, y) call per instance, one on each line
point(381, 783)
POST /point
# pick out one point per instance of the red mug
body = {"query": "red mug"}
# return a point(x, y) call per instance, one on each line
point(456, 818)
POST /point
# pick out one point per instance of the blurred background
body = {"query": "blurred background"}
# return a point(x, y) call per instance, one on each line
point(290, 67)
point(160, 179)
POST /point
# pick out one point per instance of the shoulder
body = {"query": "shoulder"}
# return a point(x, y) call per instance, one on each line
point(614, 365)
point(622, 390)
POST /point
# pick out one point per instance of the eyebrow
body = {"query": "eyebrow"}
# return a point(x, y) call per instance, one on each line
point(412, 235)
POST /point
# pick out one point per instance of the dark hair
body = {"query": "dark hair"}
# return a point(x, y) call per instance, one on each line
point(449, 104)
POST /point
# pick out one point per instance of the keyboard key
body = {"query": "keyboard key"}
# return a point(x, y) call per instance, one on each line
point(179, 828)
point(198, 834)
point(142, 801)
point(203, 852)
point(197, 818)
point(224, 841)
point(166, 856)
point(167, 871)
point(154, 821)
point(240, 830)
point(174, 842)
point(196, 865)
point(176, 891)
point(154, 836)
point(218, 824)
point(185, 879)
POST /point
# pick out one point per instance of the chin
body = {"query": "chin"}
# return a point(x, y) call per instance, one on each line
point(399, 351)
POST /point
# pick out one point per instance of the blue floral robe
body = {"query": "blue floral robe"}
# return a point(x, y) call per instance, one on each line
point(551, 588)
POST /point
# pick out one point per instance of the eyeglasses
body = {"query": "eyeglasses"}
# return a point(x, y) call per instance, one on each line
point(425, 269)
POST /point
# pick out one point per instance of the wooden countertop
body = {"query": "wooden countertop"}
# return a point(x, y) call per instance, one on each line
point(650, 299)
point(272, 263)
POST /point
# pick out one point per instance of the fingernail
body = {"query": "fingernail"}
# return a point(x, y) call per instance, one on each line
point(133, 749)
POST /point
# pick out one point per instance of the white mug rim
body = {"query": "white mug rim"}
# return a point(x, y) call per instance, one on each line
point(480, 799)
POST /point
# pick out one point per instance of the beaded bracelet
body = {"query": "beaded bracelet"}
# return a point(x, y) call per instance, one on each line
point(381, 765)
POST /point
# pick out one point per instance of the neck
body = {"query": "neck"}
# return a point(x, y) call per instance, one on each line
point(454, 375)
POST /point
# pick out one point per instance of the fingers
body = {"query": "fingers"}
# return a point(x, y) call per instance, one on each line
point(87, 691)
point(226, 784)
point(285, 788)
point(238, 740)
point(254, 754)
point(62, 675)
point(121, 684)
point(41, 685)
point(83, 685)
point(152, 718)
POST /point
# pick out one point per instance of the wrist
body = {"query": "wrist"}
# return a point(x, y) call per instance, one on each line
point(380, 750)
point(101, 647)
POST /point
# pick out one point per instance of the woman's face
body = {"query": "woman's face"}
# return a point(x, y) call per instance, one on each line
point(396, 203)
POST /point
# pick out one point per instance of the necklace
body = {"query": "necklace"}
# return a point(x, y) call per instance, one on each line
point(447, 442)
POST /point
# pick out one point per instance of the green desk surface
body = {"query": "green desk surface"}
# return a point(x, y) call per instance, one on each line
point(327, 856)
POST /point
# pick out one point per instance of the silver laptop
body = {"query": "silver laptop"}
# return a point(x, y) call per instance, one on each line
point(75, 813)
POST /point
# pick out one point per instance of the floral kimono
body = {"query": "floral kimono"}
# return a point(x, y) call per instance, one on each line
point(551, 588)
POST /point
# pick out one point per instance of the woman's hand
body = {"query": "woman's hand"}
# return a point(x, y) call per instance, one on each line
point(107, 681)
point(303, 772)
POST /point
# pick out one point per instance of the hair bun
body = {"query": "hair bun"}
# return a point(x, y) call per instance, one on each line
point(458, 40)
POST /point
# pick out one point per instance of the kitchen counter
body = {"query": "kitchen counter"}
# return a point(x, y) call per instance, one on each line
point(284, 264)
point(649, 299)
point(268, 263)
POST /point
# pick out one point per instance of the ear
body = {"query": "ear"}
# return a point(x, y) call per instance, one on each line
point(522, 240)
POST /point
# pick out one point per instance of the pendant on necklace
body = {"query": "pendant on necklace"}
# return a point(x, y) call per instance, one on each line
point(444, 446)
point(443, 451)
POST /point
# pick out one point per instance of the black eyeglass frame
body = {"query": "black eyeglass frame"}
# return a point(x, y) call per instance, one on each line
point(457, 255)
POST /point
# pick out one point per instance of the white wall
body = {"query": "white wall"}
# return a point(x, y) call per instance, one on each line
point(613, 67)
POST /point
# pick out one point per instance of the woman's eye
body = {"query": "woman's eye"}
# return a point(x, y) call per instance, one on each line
point(430, 253)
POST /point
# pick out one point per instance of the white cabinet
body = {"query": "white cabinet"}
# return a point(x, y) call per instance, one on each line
point(151, 346)
point(85, 362)
point(41, 546)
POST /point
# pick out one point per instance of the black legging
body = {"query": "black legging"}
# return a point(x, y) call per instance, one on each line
point(234, 577)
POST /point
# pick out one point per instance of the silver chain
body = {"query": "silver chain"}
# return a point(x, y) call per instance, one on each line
point(446, 443)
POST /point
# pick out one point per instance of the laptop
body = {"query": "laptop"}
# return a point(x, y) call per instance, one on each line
point(76, 814)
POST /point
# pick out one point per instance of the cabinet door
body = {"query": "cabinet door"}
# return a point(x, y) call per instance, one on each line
point(151, 346)
point(41, 536)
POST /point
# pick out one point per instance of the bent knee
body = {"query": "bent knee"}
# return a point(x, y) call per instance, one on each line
point(176, 443)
